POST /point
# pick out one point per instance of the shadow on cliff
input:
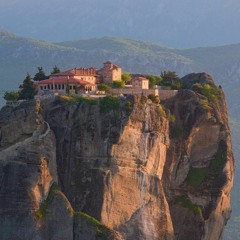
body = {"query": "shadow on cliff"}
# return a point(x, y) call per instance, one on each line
point(85, 133)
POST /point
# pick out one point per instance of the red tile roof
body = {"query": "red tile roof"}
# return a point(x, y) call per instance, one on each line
point(61, 80)
point(77, 72)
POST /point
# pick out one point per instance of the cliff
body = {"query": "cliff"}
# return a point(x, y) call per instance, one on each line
point(117, 168)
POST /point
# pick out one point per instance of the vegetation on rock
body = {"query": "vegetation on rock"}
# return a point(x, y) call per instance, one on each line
point(118, 84)
point(28, 89)
point(187, 203)
point(126, 77)
point(42, 211)
point(104, 87)
point(11, 96)
point(109, 103)
point(102, 231)
point(196, 176)
point(40, 75)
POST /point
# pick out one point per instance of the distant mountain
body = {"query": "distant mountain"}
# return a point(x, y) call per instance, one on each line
point(182, 23)
point(19, 55)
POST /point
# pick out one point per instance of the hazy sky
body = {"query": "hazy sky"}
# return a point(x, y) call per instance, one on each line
point(177, 23)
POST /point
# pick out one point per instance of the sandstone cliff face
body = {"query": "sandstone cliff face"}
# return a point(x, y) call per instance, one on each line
point(133, 169)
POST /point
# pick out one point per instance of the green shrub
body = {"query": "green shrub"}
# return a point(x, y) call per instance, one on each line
point(153, 98)
point(104, 87)
point(11, 96)
point(118, 84)
point(154, 80)
point(172, 118)
point(143, 100)
point(197, 87)
point(205, 104)
point(102, 231)
point(42, 211)
point(210, 92)
point(88, 100)
point(217, 162)
point(196, 176)
point(126, 78)
point(162, 111)
point(109, 103)
point(186, 203)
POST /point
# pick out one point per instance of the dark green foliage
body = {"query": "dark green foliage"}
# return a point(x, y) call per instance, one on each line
point(176, 132)
point(104, 87)
point(126, 78)
point(171, 79)
point(42, 211)
point(143, 100)
point(155, 99)
point(211, 93)
point(118, 84)
point(88, 100)
point(109, 103)
point(205, 104)
point(55, 70)
point(154, 80)
point(28, 91)
point(102, 232)
point(186, 203)
point(11, 96)
point(40, 75)
point(218, 162)
point(196, 176)
point(197, 87)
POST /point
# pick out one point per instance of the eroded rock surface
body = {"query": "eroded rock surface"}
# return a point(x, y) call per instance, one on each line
point(142, 173)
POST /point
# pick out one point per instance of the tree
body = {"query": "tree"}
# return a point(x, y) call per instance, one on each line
point(126, 77)
point(55, 70)
point(154, 80)
point(118, 84)
point(40, 75)
point(171, 79)
point(28, 91)
point(11, 96)
point(104, 87)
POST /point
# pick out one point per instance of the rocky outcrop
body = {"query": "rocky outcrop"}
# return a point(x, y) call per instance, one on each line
point(141, 171)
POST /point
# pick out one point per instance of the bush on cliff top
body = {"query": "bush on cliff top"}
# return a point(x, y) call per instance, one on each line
point(109, 103)
point(212, 93)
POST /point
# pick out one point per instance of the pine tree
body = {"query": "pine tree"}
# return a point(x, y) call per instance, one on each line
point(28, 91)
point(55, 70)
point(40, 75)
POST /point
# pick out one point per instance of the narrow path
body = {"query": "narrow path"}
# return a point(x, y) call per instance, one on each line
point(13, 149)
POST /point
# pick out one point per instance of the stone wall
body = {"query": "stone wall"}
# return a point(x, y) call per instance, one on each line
point(163, 94)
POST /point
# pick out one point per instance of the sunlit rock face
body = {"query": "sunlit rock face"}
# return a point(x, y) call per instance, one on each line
point(143, 172)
